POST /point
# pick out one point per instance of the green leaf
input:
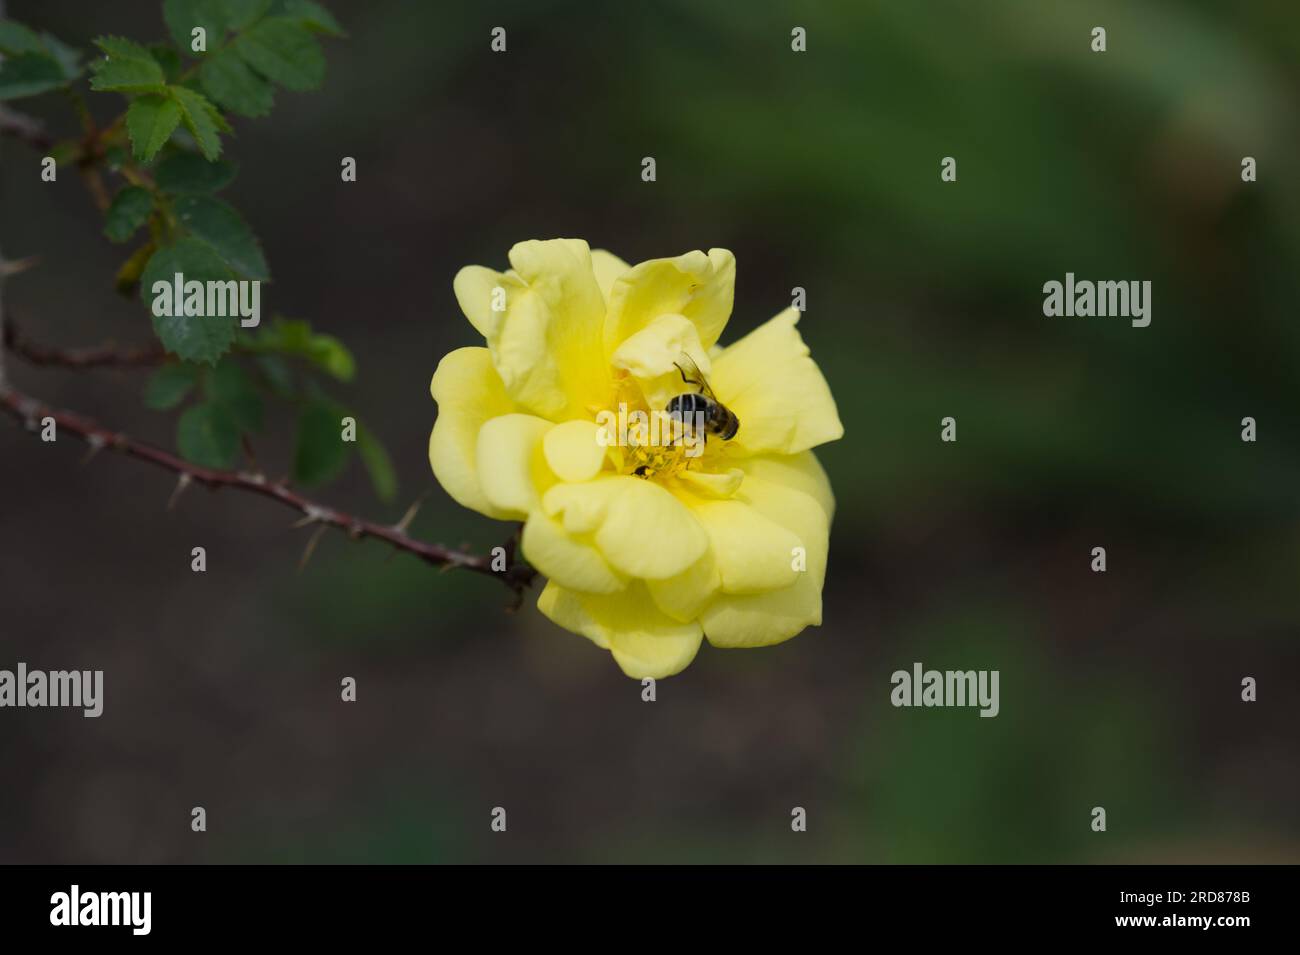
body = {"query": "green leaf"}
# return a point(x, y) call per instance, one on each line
point(378, 464)
point(126, 67)
point(230, 385)
point(220, 226)
point(201, 119)
point(129, 210)
point(285, 52)
point(297, 338)
point(69, 58)
point(199, 338)
point(278, 374)
point(28, 74)
point(150, 120)
point(183, 174)
point(332, 356)
point(229, 81)
point(321, 453)
point(183, 16)
point(127, 76)
point(208, 435)
point(243, 13)
point(167, 57)
point(118, 47)
point(313, 16)
point(168, 386)
point(16, 39)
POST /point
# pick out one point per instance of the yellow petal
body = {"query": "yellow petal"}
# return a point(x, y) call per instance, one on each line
point(754, 554)
point(511, 465)
point(802, 472)
point(802, 510)
point(564, 607)
point(653, 646)
point(468, 392)
point(608, 267)
point(653, 354)
point(762, 620)
point(683, 596)
point(546, 343)
point(578, 510)
point(754, 620)
point(640, 528)
point(696, 285)
point(574, 450)
point(776, 390)
point(719, 484)
point(645, 642)
point(561, 272)
point(476, 289)
point(567, 559)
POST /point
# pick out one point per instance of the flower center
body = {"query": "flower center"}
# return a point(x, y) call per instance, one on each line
point(655, 460)
point(649, 443)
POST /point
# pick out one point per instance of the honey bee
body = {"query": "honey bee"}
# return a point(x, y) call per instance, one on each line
point(687, 409)
point(718, 418)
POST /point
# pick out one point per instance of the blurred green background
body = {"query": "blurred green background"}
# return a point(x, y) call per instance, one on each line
point(820, 170)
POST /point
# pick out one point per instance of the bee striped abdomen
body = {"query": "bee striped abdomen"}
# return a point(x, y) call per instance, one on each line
point(728, 424)
point(691, 408)
point(686, 407)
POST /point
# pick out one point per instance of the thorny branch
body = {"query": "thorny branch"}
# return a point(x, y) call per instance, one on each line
point(517, 576)
point(30, 412)
point(96, 356)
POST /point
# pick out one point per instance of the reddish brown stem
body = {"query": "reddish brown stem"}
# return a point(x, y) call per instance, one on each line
point(30, 412)
point(97, 356)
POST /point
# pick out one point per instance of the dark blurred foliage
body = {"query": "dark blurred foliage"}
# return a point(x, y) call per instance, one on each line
point(818, 170)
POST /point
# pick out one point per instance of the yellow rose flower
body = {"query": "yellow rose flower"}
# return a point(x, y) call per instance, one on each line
point(647, 547)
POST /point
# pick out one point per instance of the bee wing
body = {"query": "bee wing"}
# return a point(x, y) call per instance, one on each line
point(692, 375)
